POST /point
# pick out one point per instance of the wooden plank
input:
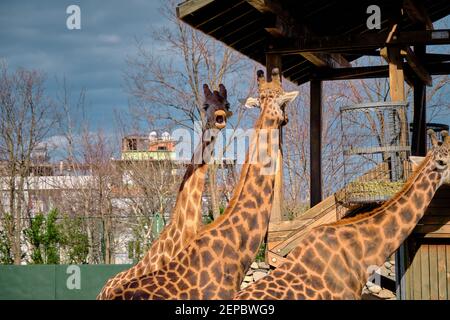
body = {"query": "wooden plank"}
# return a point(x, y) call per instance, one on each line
point(442, 272)
point(425, 271)
point(274, 259)
point(288, 27)
point(447, 253)
point(434, 289)
point(408, 271)
point(315, 137)
point(417, 66)
point(259, 5)
point(435, 236)
point(292, 225)
point(419, 147)
point(356, 42)
point(417, 13)
point(189, 7)
point(417, 277)
point(294, 239)
point(434, 219)
point(355, 73)
point(397, 86)
point(432, 229)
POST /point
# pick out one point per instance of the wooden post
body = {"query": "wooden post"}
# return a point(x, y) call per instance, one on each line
point(315, 142)
point(419, 138)
point(274, 61)
point(397, 92)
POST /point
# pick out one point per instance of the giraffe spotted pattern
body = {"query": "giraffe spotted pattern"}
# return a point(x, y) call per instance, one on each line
point(213, 264)
point(333, 261)
point(187, 213)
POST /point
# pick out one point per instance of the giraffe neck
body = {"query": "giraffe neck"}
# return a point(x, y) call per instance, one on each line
point(187, 213)
point(213, 264)
point(244, 223)
point(395, 221)
point(371, 238)
point(334, 261)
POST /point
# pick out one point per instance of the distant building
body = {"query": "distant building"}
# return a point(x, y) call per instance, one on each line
point(151, 147)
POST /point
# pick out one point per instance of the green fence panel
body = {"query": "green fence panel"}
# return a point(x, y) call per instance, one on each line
point(27, 282)
point(61, 282)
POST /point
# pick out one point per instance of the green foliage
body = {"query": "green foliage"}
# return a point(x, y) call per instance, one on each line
point(5, 249)
point(135, 250)
point(157, 225)
point(210, 218)
point(74, 239)
point(44, 236)
point(6, 256)
point(261, 256)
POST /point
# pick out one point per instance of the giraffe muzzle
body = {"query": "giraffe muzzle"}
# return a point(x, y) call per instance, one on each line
point(220, 119)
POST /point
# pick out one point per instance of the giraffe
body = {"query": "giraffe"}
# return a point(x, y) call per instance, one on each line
point(213, 264)
point(334, 261)
point(187, 212)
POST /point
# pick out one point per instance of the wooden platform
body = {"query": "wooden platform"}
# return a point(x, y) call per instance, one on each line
point(436, 221)
point(425, 271)
point(285, 235)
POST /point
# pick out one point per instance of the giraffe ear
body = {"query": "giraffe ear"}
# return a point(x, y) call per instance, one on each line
point(251, 103)
point(287, 97)
point(415, 161)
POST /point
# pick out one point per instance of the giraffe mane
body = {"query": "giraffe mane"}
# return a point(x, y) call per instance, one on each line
point(410, 182)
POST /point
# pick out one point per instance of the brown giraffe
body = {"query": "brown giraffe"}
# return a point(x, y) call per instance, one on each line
point(213, 265)
point(187, 212)
point(334, 261)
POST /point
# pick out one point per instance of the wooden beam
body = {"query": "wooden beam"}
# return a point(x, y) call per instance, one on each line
point(259, 5)
point(286, 26)
point(315, 137)
point(397, 92)
point(360, 41)
point(396, 76)
point(188, 7)
point(321, 60)
point(417, 66)
point(419, 136)
point(417, 13)
point(374, 72)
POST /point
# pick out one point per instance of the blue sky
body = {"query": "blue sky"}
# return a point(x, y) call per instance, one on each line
point(33, 35)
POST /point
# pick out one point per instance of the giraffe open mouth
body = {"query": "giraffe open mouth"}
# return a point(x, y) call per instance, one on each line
point(221, 119)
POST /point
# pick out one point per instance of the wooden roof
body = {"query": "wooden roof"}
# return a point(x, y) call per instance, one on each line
point(311, 35)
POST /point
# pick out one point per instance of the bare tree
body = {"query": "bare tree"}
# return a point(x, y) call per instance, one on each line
point(165, 80)
point(26, 118)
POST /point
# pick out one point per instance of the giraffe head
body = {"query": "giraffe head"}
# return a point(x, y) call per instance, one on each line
point(272, 98)
point(441, 155)
point(216, 107)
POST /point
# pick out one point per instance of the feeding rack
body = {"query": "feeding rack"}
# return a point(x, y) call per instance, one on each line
point(376, 151)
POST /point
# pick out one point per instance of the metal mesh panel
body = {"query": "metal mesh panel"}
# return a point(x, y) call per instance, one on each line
point(376, 151)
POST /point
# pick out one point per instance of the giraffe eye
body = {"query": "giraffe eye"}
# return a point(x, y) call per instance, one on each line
point(205, 106)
